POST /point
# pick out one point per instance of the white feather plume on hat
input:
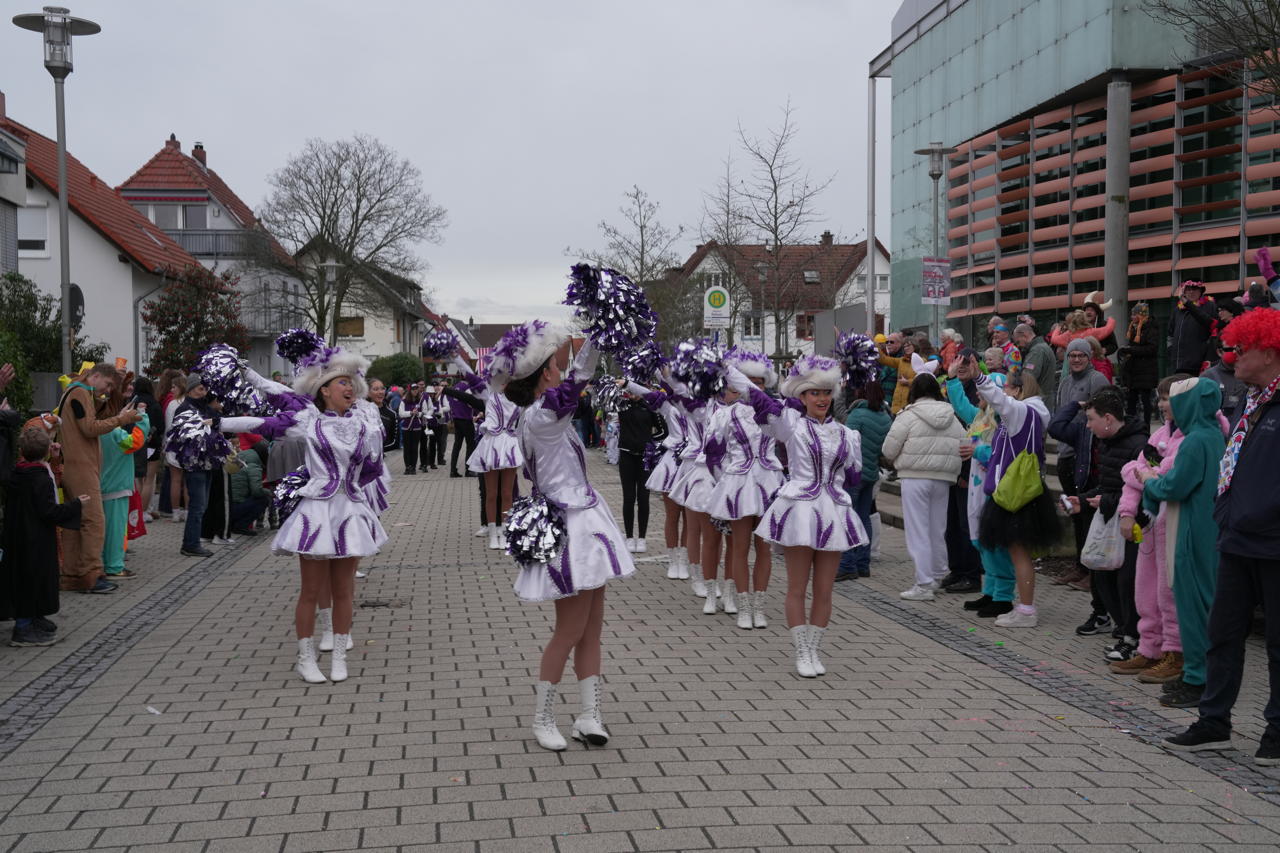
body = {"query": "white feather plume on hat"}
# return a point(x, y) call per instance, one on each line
point(327, 364)
point(523, 349)
point(753, 364)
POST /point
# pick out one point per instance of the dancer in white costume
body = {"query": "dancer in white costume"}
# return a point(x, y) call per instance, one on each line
point(335, 522)
point(748, 475)
point(812, 516)
point(594, 552)
point(497, 456)
point(702, 539)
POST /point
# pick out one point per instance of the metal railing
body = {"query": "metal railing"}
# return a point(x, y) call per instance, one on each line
point(225, 243)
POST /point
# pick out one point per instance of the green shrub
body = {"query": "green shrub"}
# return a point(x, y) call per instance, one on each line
point(19, 390)
point(399, 369)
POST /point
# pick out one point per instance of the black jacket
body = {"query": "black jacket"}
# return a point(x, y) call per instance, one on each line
point(1138, 367)
point(1068, 427)
point(1248, 513)
point(1113, 454)
point(637, 426)
point(1189, 329)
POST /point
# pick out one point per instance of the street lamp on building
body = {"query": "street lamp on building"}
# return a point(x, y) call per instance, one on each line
point(935, 152)
point(58, 28)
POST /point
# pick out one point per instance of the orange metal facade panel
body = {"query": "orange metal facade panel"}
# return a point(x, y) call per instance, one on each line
point(1206, 153)
point(1053, 232)
point(1149, 241)
point(1008, 284)
point(1159, 188)
point(1014, 305)
point(1230, 259)
point(1151, 87)
point(1054, 186)
point(1051, 279)
point(1146, 114)
point(1151, 164)
point(1265, 142)
point(1205, 127)
point(1059, 137)
point(983, 182)
point(1013, 195)
point(1015, 173)
point(1093, 152)
point(1269, 225)
point(1093, 128)
point(1146, 217)
point(1013, 261)
point(1263, 170)
point(1262, 199)
point(1148, 268)
point(1011, 240)
point(1211, 98)
point(1199, 235)
point(1051, 303)
point(1015, 150)
point(1088, 202)
point(1014, 129)
point(1057, 161)
point(1222, 178)
point(1155, 137)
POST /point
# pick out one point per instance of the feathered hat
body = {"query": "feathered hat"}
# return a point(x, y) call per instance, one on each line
point(754, 364)
point(812, 372)
point(315, 363)
point(523, 349)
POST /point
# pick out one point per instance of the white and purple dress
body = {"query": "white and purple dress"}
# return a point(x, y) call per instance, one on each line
point(812, 509)
point(745, 462)
point(556, 464)
point(337, 514)
point(663, 474)
point(693, 482)
point(499, 444)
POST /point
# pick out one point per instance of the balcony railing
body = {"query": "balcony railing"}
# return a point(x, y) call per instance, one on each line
point(219, 243)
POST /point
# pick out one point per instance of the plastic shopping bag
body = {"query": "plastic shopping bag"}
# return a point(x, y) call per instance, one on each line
point(1104, 547)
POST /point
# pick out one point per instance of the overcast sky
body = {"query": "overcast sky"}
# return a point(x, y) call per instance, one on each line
point(528, 119)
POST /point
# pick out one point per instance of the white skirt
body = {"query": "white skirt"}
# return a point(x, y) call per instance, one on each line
point(694, 491)
point(745, 495)
point(496, 451)
point(821, 524)
point(330, 529)
point(596, 553)
point(664, 473)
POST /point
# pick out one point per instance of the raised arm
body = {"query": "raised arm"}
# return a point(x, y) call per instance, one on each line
point(563, 399)
point(276, 426)
point(1013, 412)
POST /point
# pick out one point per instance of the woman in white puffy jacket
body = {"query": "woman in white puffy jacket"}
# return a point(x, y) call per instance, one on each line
point(924, 446)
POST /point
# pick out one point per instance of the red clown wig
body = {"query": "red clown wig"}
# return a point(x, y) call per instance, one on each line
point(1256, 329)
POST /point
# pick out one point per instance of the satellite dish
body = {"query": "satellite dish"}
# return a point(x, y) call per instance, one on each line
point(77, 307)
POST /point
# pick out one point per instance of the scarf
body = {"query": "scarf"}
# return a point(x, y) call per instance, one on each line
point(1227, 467)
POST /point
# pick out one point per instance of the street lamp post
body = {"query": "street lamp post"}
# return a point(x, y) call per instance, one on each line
point(935, 152)
point(58, 27)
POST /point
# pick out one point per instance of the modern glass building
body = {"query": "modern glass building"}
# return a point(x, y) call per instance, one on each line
point(1021, 90)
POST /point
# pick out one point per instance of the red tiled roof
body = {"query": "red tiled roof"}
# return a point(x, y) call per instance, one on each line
point(834, 263)
point(101, 206)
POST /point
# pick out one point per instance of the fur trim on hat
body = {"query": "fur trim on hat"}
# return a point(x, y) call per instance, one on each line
point(756, 365)
point(523, 350)
point(810, 372)
point(1096, 298)
point(325, 365)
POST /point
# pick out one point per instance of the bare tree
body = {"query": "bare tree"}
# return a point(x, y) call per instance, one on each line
point(725, 224)
point(778, 205)
point(356, 202)
point(1240, 37)
point(644, 249)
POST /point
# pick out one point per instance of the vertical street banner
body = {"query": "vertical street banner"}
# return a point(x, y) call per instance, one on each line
point(716, 310)
point(935, 281)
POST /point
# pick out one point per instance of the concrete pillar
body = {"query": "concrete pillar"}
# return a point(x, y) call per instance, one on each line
point(871, 207)
point(1116, 245)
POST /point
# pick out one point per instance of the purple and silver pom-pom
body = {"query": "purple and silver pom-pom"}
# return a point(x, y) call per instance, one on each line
point(195, 445)
point(285, 496)
point(294, 344)
point(606, 393)
point(222, 370)
point(652, 455)
point(441, 344)
point(698, 364)
point(643, 362)
point(722, 525)
point(615, 313)
point(859, 359)
point(535, 531)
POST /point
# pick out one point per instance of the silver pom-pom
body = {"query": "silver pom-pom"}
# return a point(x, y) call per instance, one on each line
point(285, 495)
point(535, 531)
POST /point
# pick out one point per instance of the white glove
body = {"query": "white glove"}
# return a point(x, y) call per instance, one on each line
point(264, 384)
point(737, 380)
point(584, 364)
point(637, 389)
point(459, 362)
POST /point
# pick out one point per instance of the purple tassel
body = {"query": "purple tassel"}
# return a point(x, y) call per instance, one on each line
point(535, 531)
point(440, 345)
point(698, 364)
point(285, 496)
point(859, 359)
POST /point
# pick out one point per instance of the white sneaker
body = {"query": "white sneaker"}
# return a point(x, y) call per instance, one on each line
point(1016, 619)
point(361, 573)
point(224, 540)
point(631, 545)
point(642, 546)
point(917, 593)
point(483, 531)
point(710, 604)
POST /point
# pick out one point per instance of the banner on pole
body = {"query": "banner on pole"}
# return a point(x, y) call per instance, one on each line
point(716, 310)
point(935, 281)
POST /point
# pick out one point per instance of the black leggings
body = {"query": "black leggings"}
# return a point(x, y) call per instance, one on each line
point(631, 467)
point(463, 431)
point(412, 441)
point(1144, 398)
point(438, 438)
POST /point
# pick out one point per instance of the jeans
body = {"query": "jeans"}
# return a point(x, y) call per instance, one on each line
point(962, 557)
point(246, 512)
point(198, 483)
point(857, 560)
point(1243, 584)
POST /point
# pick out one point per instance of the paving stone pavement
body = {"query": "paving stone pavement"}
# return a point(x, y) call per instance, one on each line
point(169, 719)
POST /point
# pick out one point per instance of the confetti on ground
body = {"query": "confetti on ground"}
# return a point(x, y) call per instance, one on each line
point(1000, 643)
point(971, 630)
point(151, 710)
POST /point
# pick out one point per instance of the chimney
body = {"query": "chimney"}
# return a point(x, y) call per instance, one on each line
point(2, 113)
point(197, 151)
point(172, 142)
point(827, 238)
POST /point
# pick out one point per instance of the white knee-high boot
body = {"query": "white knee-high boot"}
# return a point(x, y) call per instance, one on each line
point(709, 606)
point(699, 585)
point(306, 665)
point(815, 640)
point(757, 609)
point(495, 537)
point(800, 639)
point(324, 627)
point(545, 730)
point(729, 590)
point(744, 609)
point(588, 728)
